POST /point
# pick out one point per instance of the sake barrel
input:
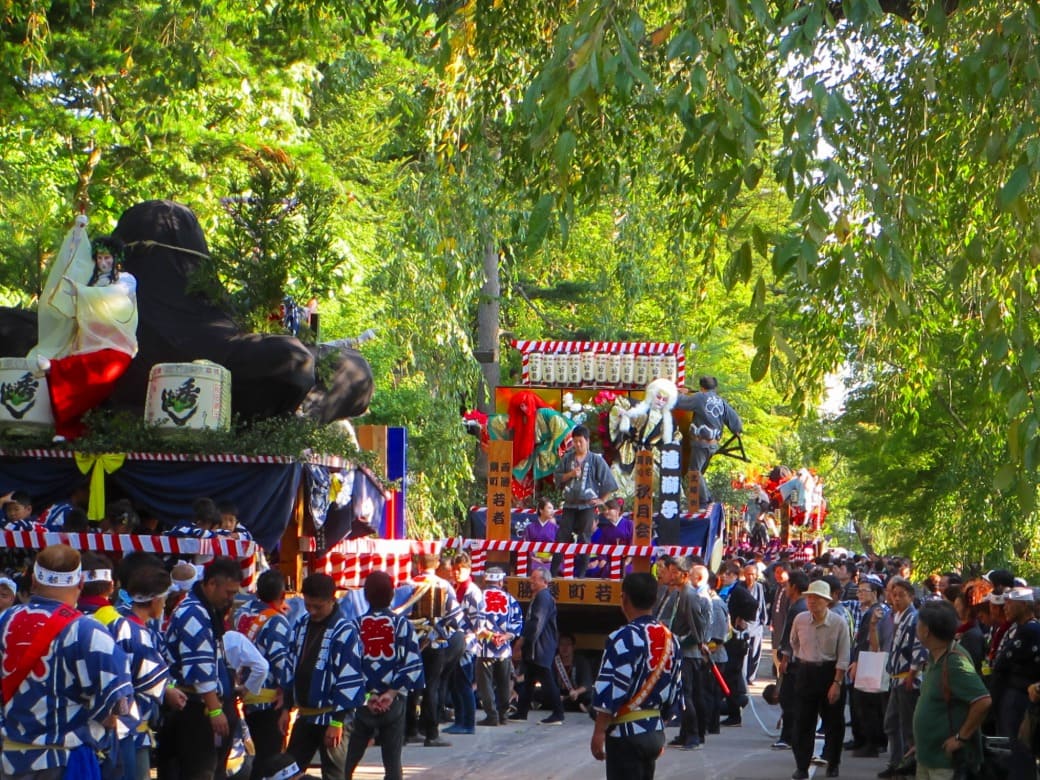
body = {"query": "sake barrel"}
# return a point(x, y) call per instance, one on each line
point(25, 404)
point(189, 396)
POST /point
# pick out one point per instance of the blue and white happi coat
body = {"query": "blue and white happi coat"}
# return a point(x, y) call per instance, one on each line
point(629, 658)
point(194, 654)
point(469, 621)
point(907, 652)
point(149, 674)
point(337, 680)
point(274, 641)
point(500, 613)
point(77, 683)
point(390, 655)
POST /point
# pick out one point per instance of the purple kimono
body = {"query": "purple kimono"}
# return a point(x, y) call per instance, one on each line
point(536, 532)
point(607, 533)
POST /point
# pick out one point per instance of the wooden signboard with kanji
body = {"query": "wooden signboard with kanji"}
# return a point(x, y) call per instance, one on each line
point(499, 496)
point(643, 511)
point(599, 592)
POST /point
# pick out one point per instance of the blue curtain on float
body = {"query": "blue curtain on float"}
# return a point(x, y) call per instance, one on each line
point(263, 492)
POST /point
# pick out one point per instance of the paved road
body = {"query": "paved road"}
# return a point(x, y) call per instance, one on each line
point(534, 752)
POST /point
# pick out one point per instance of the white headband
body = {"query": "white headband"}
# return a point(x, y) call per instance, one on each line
point(9, 583)
point(97, 575)
point(284, 774)
point(57, 579)
point(146, 599)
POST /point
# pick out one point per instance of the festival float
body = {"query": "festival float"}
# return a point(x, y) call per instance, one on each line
point(119, 326)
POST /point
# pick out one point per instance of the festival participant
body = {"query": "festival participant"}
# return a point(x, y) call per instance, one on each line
point(500, 622)
point(538, 644)
point(433, 603)
point(756, 627)
point(715, 646)
point(204, 522)
point(820, 655)
point(637, 681)
point(469, 597)
point(392, 667)
point(905, 660)
point(1015, 668)
point(17, 506)
point(874, 635)
point(98, 586)
point(542, 529)
point(53, 518)
point(149, 672)
point(710, 414)
point(573, 675)
point(327, 679)
point(52, 654)
point(688, 617)
point(194, 742)
point(797, 584)
point(954, 700)
point(586, 481)
point(611, 529)
point(8, 593)
point(105, 340)
point(266, 626)
point(969, 633)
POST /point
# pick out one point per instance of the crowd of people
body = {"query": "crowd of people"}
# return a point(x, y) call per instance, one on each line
point(180, 671)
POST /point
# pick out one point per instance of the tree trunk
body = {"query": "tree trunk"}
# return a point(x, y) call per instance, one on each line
point(487, 330)
point(487, 347)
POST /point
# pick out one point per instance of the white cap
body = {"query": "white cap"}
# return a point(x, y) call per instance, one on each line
point(1020, 594)
point(994, 598)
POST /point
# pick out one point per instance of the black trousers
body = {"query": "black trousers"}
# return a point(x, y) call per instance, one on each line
point(390, 726)
point(580, 522)
point(694, 715)
point(267, 739)
point(550, 691)
point(868, 717)
point(633, 758)
point(187, 749)
point(438, 665)
point(493, 683)
point(812, 684)
point(308, 738)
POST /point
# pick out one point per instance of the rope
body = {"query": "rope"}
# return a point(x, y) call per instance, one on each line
point(150, 244)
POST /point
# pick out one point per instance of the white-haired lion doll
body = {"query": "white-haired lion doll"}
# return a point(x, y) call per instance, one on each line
point(647, 425)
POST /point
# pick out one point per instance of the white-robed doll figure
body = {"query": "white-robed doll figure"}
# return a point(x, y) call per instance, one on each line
point(82, 374)
point(647, 425)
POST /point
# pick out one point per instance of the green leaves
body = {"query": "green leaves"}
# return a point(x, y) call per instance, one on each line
point(1014, 188)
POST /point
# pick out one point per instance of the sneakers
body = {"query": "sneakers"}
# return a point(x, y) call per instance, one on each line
point(888, 771)
point(731, 722)
point(819, 761)
point(436, 742)
point(488, 722)
point(676, 742)
point(692, 744)
point(516, 717)
point(780, 745)
point(457, 729)
point(552, 720)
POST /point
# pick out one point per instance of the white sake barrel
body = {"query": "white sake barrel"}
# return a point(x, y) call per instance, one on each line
point(601, 368)
point(25, 404)
point(628, 369)
point(613, 369)
point(588, 367)
point(642, 370)
point(549, 364)
point(534, 368)
point(574, 369)
point(189, 396)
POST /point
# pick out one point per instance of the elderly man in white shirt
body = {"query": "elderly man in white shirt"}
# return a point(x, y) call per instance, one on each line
point(820, 646)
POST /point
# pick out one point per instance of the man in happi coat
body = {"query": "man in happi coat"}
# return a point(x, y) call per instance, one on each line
point(64, 680)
